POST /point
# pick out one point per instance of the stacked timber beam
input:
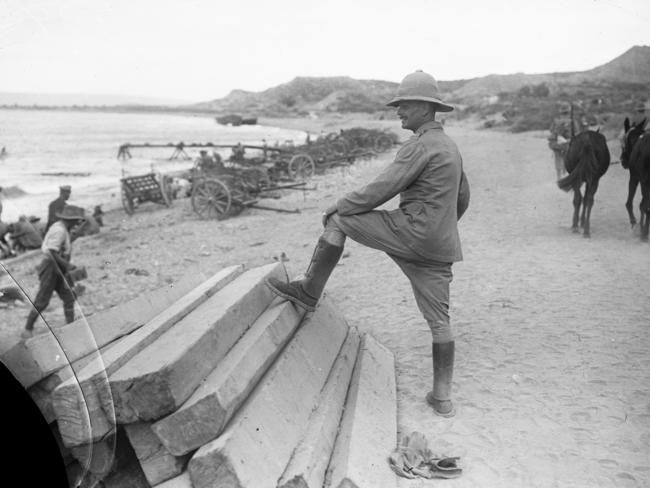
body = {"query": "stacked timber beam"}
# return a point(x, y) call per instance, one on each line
point(228, 386)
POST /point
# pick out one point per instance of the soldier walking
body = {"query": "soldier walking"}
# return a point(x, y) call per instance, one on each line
point(54, 268)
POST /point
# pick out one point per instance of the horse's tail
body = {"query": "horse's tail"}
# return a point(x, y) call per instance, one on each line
point(584, 171)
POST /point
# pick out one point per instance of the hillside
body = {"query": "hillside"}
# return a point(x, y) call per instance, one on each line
point(499, 99)
point(303, 95)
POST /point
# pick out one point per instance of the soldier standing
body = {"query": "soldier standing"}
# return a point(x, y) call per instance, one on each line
point(421, 236)
point(56, 205)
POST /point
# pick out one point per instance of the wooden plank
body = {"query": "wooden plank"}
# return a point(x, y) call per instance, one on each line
point(255, 447)
point(103, 456)
point(42, 392)
point(83, 405)
point(181, 481)
point(41, 355)
point(203, 416)
point(310, 459)
point(368, 431)
point(162, 376)
point(157, 463)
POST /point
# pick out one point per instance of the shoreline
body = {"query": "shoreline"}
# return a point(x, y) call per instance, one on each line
point(548, 393)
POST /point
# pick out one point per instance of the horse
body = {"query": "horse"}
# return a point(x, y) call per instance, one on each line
point(633, 134)
point(635, 156)
point(586, 160)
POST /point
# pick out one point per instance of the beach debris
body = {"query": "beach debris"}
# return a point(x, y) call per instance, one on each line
point(282, 258)
point(137, 272)
point(413, 459)
point(11, 294)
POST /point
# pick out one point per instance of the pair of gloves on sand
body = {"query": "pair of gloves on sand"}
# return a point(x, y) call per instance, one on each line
point(413, 459)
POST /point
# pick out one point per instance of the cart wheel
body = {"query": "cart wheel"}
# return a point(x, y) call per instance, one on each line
point(339, 146)
point(127, 200)
point(238, 195)
point(301, 166)
point(211, 199)
point(383, 143)
point(165, 189)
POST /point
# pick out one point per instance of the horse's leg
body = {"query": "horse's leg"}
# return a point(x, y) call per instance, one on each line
point(559, 163)
point(645, 211)
point(631, 191)
point(587, 204)
point(577, 201)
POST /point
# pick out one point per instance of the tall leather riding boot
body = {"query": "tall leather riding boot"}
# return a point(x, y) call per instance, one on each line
point(68, 312)
point(31, 319)
point(306, 292)
point(443, 370)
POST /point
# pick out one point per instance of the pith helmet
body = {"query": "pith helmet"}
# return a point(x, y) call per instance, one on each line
point(420, 86)
point(71, 212)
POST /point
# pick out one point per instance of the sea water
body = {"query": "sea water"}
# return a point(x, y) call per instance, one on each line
point(49, 148)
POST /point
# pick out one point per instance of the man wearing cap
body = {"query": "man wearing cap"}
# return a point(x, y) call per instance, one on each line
point(56, 205)
point(561, 130)
point(421, 236)
point(639, 114)
point(55, 266)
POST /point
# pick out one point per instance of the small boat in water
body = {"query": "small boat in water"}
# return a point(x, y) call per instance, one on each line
point(236, 120)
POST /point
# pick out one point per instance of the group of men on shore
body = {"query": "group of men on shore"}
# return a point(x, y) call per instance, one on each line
point(55, 271)
point(27, 233)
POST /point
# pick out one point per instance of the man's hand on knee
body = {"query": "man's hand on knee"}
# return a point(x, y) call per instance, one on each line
point(328, 213)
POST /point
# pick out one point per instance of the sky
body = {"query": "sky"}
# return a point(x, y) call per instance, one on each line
point(199, 50)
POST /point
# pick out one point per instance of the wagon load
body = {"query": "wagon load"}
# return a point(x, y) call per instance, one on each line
point(240, 389)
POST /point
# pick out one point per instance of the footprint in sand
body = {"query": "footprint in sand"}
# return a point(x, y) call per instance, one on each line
point(598, 382)
point(607, 463)
point(625, 476)
point(580, 417)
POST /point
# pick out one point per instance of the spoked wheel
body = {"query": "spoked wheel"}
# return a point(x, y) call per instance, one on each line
point(339, 147)
point(383, 143)
point(127, 199)
point(165, 189)
point(301, 166)
point(211, 199)
point(238, 198)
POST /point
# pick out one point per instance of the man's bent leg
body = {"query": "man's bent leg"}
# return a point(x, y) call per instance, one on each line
point(48, 282)
point(307, 292)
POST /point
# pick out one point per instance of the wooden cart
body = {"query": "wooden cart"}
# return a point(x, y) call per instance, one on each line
point(150, 187)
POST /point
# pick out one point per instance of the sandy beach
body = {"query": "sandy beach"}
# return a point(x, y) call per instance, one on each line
point(552, 361)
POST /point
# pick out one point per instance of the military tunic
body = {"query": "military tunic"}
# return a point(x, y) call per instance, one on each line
point(421, 235)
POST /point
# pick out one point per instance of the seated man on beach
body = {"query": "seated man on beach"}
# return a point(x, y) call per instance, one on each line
point(6, 250)
point(24, 236)
point(55, 267)
point(421, 236)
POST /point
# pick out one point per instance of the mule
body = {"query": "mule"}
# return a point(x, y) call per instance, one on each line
point(586, 161)
point(633, 134)
point(636, 157)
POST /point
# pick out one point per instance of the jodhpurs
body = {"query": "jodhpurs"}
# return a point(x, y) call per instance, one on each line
point(429, 279)
point(51, 280)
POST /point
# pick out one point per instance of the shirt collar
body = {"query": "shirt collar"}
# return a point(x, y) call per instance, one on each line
point(432, 124)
